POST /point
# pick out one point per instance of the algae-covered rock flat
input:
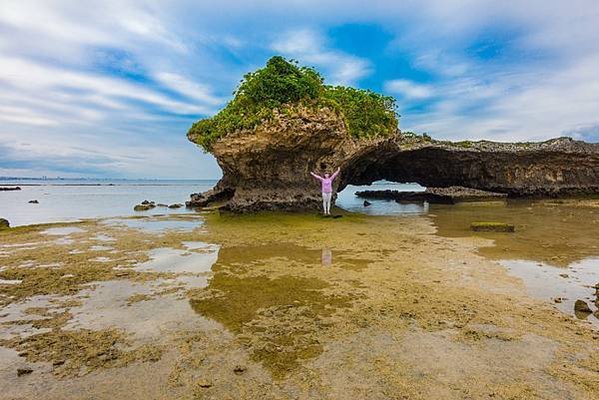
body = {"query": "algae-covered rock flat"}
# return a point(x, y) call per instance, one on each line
point(287, 306)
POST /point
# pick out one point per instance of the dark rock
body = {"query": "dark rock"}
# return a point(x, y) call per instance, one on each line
point(33, 202)
point(204, 383)
point(581, 306)
point(143, 207)
point(449, 195)
point(491, 227)
point(176, 205)
point(161, 205)
point(267, 168)
point(4, 224)
point(239, 369)
point(24, 371)
point(367, 203)
point(9, 188)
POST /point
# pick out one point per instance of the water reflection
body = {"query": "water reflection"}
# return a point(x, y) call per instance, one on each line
point(327, 257)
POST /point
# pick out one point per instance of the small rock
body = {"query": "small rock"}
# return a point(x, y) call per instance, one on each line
point(557, 300)
point(58, 363)
point(4, 224)
point(161, 205)
point(239, 369)
point(176, 205)
point(564, 275)
point(33, 202)
point(143, 207)
point(581, 306)
point(24, 371)
point(367, 203)
point(491, 227)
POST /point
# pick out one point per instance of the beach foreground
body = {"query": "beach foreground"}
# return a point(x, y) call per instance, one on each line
point(296, 306)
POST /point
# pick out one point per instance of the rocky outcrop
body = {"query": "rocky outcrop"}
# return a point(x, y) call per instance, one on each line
point(4, 224)
point(268, 167)
point(449, 195)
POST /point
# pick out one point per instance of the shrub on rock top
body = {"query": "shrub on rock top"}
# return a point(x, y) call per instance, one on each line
point(282, 84)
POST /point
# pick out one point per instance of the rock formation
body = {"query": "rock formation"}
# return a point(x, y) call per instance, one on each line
point(268, 167)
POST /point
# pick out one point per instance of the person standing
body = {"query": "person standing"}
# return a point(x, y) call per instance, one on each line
point(327, 189)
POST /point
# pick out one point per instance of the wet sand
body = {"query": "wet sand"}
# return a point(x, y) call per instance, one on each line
point(292, 306)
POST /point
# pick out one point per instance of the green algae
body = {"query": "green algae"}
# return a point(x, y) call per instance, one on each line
point(491, 226)
point(277, 318)
point(75, 353)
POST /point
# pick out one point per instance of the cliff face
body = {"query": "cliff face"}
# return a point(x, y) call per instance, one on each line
point(268, 167)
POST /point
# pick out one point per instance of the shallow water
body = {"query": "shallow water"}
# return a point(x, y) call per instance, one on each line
point(180, 261)
point(150, 224)
point(562, 286)
point(551, 240)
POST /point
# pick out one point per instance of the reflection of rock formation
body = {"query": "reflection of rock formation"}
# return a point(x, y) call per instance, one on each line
point(268, 167)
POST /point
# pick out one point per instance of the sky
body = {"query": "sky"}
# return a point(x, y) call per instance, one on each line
point(108, 89)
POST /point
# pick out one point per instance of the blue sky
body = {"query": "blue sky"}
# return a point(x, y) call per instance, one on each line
point(109, 88)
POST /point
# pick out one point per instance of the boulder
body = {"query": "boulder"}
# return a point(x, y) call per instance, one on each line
point(367, 203)
point(4, 224)
point(143, 207)
point(176, 205)
point(581, 306)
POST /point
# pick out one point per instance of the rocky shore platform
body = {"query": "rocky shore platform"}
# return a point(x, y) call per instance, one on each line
point(449, 195)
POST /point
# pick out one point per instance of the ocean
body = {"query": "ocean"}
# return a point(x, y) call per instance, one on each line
point(65, 200)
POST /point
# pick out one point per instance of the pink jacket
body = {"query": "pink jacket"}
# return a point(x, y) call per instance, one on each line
point(327, 183)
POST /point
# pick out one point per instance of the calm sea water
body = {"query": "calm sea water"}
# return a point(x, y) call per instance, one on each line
point(71, 200)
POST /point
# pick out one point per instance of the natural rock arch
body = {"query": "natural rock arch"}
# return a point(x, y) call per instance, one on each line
point(268, 167)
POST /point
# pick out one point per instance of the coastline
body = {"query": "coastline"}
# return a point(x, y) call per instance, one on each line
point(274, 312)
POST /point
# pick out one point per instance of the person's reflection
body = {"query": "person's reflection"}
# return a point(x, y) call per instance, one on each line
point(327, 257)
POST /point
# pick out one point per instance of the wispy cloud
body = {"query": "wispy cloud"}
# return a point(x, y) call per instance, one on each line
point(112, 92)
point(310, 47)
point(408, 89)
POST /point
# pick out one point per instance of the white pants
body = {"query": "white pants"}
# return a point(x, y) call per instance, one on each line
point(326, 202)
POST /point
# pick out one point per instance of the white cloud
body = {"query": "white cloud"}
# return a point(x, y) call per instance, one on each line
point(189, 88)
point(408, 89)
point(310, 48)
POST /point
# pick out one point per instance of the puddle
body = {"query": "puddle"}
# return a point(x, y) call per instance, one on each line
point(101, 259)
point(107, 306)
point(62, 231)
point(64, 241)
point(156, 225)
point(10, 281)
point(103, 238)
point(180, 261)
point(100, 248)
point(569, 284)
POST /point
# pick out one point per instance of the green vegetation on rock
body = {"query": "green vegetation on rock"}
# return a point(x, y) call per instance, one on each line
point(491, 227)
point(283, 84)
